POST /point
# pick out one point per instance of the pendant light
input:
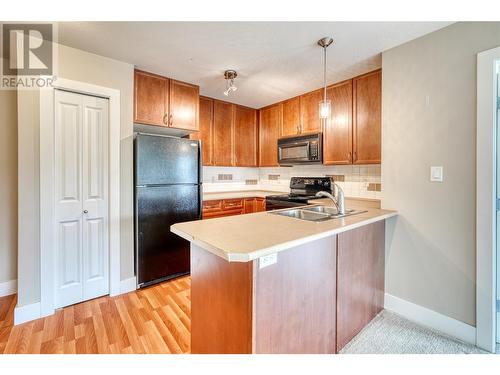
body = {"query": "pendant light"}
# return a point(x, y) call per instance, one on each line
point(324, 105)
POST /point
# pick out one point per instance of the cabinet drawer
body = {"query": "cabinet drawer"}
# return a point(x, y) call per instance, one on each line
point(215, 205)
point(230, 204)
point(214, 214)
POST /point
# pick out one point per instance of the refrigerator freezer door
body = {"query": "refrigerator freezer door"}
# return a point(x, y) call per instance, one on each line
point(163, 160)
point(160, 253)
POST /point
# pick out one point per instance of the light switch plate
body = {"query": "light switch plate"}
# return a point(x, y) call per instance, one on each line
point(437, 174)
point(267, 260)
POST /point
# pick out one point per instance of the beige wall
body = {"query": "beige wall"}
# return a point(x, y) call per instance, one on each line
point(8, 186)
point(429, 118)
point(85, 67)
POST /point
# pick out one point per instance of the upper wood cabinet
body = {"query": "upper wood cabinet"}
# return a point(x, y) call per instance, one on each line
point(229, 134)
point(290, 123)
point(367, 103)
point(183, 105)
point(150, 99)
point(163, 102)
point(223, 133)
point(206, 129)
point(309, 111)
point(337, 131)
point(269, 130)
point(245, 136)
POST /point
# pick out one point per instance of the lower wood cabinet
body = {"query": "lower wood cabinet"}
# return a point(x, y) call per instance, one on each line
point(229, 207)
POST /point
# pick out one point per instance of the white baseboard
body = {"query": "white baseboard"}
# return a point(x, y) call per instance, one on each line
point(7, 288)
point(26, 313)
point(431, 319)
point(128, 285)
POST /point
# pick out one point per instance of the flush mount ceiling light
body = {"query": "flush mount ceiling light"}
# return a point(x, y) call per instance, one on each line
point(230, 75)
point(324, 105)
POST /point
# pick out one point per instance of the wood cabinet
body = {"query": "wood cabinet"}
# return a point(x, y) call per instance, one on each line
point(269, 130)
point(360, 279)
point(235, 206)
point(290, 117)
point(223, 133)
point(183, 105)
point(150, 99)
point(252, 205)
point(367, 103)
point(229, 134)
point(206, 108)
point(337, 131)
point(309, 111)
point(164, 102)
point(352, 134)
point(245, 136)
point(221, 207)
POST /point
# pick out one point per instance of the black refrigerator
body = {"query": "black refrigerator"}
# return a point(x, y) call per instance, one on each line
point(168, 190)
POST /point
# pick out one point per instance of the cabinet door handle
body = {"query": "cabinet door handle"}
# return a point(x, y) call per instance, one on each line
point(349, 156)
point(165, 119)
point(355, 157)
point(170, 120)
point(85, 211)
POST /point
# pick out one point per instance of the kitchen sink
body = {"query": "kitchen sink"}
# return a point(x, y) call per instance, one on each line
point(316, 213)
point(303, 214)
point(332, 211)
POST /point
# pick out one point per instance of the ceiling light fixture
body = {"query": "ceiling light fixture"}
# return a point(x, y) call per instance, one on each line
point(324, 105)
point(230, 75)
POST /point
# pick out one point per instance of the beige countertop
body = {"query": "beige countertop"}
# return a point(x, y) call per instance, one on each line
point(243, 238)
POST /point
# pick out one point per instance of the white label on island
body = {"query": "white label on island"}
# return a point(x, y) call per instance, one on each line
point(267, 260)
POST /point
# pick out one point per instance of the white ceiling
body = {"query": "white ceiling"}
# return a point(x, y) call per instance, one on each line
point(274, 60)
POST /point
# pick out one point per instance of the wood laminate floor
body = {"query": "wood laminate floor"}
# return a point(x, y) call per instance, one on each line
point(151, 320)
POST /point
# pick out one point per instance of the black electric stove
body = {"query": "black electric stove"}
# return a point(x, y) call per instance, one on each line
point(302, 190)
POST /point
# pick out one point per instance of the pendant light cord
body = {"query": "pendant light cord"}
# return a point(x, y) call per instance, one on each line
point(324, 75)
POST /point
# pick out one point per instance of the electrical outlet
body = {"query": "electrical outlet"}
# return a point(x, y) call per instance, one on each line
point(267, 260)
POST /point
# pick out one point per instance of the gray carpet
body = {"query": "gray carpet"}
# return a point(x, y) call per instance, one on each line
point(389, 333)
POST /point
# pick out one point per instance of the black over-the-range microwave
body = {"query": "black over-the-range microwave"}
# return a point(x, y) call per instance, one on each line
point(302, 149)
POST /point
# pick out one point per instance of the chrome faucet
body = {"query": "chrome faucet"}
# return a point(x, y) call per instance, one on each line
point(338, 198)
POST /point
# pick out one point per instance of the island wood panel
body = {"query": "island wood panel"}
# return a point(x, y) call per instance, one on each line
point(360, 279)
point(295, 300)
point(245, 136)
point(337, 132)
point(150, 99)
point(206, 129)
point(223, 133)
point(367, 116)
point(221, 304)
point(183, 105)
point(269, 130)
point(309, 111)
point(290, 123)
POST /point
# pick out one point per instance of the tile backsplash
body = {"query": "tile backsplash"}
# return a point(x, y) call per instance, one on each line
point(361, 181)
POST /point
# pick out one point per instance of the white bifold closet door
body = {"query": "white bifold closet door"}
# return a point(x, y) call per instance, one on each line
point(81, 189)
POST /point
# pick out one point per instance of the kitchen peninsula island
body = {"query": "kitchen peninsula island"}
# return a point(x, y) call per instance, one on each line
point(266, 283)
